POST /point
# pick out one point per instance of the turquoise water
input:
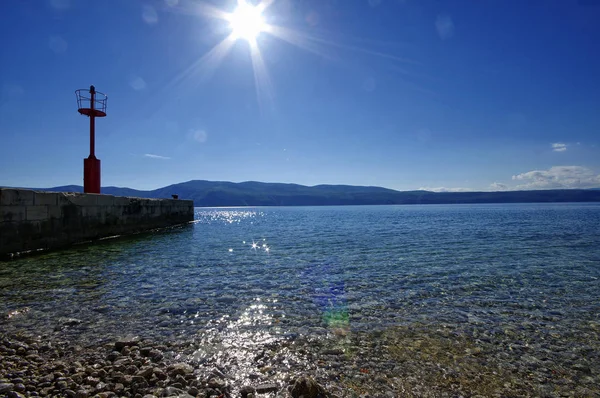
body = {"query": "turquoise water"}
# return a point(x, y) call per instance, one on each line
point(518, 281)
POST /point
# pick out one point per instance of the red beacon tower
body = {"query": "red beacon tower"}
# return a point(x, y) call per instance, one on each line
point(91, 103)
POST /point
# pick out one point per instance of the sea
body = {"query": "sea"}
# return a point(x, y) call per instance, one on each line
point(503, 298)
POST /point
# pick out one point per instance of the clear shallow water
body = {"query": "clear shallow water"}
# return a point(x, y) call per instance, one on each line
point(501, 276)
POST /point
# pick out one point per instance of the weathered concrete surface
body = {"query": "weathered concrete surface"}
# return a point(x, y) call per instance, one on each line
point(31, 220)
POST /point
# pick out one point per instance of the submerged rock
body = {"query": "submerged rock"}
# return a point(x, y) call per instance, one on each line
point(175, 392)
point(246, 390)
point(306, 387)
point(180, 369)
point(128, 341)
point(146, 373)
point(265, 388)
point(69, 321)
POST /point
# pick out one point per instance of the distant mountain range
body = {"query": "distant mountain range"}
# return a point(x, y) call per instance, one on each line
point(251, 193)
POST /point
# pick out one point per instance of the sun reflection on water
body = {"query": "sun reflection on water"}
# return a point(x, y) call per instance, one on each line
point(243, 345)
point(226, 216)
point(256, 246)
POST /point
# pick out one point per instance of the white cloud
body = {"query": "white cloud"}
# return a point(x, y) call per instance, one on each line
point(149, 15)
point(498, 186)
point(558, 177)
point(444, 26)
point(559, 147)
point(137, 83)
point(152, 156)
point(171, 3)
point(444, 189)
point(198, 135)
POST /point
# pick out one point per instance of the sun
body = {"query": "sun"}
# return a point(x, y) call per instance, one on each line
point(246, 22)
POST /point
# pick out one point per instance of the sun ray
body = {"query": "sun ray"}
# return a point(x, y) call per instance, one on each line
point(208, 63)
point(363, 50)
point(318, 45)
point(298, 39)
point(247, 22)
point(263, 5)
point(201, 8)
point(262, 80)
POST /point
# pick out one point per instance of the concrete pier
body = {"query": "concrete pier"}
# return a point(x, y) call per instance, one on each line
point(33, 220)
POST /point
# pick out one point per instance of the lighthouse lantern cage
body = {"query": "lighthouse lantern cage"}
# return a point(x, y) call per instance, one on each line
point(91, 102)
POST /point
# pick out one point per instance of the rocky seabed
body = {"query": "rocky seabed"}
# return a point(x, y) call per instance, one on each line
point(126, 368)
point(395, 363)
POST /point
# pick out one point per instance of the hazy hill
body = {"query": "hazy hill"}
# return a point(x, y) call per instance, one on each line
point(105, 190)
point(252, 193)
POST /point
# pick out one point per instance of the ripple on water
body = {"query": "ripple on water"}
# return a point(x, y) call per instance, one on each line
point(491, 294)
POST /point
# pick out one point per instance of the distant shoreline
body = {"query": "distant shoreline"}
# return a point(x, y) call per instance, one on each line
point(251, 193)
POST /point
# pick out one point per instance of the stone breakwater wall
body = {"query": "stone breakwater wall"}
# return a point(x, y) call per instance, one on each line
point(32, 220)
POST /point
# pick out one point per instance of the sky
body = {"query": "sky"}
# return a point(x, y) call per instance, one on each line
point(449, 95)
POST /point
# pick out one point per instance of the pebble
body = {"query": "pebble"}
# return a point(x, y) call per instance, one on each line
point(216, 383)
point(266, 388)
point(306, 387)
point(146, 372)
point(6, 387)
point(69, 321)
point(126, 342)
point(160, 374)
point(20, 387)
point(333, 351)
point(171, 391)
point(582, 368)
point(246, 390)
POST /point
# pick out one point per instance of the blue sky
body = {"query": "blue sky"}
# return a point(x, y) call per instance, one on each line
point(405, 94)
